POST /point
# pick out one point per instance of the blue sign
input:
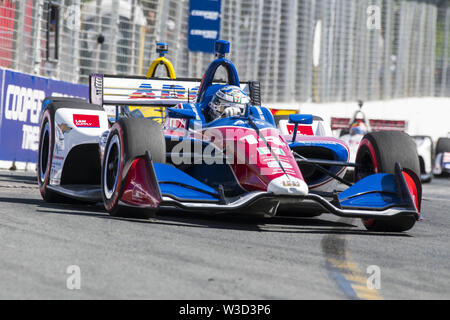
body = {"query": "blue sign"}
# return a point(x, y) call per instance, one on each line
point(21, 103)
point(204, 25)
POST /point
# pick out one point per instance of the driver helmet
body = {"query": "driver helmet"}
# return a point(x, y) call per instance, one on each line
point(358, 128)
point(228, 96)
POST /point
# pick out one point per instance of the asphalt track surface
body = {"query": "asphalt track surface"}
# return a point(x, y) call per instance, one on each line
point(179, 256)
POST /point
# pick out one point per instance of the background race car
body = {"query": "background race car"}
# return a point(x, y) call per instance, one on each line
point(240, 164)
point(352, 131)
point(442, 159)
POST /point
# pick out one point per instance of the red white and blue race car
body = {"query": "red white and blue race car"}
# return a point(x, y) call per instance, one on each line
point(235, 163)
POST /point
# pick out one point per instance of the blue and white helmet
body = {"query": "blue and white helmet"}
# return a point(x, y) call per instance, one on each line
point(228, 96)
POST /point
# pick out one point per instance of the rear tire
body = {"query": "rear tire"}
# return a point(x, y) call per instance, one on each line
point(443, 145)
point(378, 152)
point(129, 139)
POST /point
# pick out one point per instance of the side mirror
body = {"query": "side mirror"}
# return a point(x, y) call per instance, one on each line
point(182, 113)
point(299, 119)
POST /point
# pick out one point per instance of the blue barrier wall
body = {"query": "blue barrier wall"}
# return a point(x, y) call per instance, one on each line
point(20, 105)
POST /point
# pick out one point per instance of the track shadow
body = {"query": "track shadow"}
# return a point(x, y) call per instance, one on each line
point(315, 225)
point(173, 217)
point(13, 177)
point(20, 200)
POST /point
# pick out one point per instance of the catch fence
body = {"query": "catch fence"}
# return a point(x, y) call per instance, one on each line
point(300, 50)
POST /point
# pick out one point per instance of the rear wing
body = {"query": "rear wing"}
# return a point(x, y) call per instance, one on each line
point(388, 125)
point(375, 124)
point(142, 91)
point(339, 123)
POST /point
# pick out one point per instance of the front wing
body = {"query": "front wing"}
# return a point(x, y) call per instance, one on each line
point(376, 196)
point(154, 185)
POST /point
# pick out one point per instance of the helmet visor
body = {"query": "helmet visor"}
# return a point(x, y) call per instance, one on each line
point(220, 105)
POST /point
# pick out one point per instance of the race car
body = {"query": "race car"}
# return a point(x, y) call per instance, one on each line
point(442, 159)
point(240, 164)
point(352, 130)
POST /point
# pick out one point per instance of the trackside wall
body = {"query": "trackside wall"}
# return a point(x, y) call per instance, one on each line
point(21, 99)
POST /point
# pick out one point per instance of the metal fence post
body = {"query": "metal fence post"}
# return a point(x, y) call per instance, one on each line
point(37, 60)
point(444, 90)
point(19, 34)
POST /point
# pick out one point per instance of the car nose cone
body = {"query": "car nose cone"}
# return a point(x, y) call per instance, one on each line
point(288, 185)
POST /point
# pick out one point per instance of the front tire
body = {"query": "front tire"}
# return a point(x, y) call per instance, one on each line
point(45, 156)
point(128, 139)
point(377, 153)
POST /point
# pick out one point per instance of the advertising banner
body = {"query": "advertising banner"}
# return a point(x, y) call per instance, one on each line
point(21, 103)
point(204, 25)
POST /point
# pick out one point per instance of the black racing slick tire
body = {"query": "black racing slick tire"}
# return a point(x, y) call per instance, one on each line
point(129, 139)
point(377, 153)
point(47, 144)
point(443, 145)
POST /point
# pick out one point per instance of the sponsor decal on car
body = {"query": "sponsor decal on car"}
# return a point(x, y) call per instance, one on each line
point(290, 183)
point(276, 164)
point(172, 91)
point(64, 127)
point(144, 92)
point(265, 150)
point(86, 121)
point(302, 130)
point(446, 157)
